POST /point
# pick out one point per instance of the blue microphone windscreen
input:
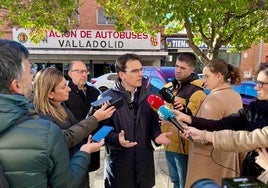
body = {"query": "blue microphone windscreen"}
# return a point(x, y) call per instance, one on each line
point(165, 112)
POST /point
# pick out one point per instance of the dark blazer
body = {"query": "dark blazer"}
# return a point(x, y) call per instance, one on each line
point(75, 131)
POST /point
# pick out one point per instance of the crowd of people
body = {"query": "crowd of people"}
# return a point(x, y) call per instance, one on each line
point(245, 130)
point(34, 151)
point(48, 122)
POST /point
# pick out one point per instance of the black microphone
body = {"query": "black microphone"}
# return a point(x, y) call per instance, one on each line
point(97, 104)
point(168, 115)
point(167, 95)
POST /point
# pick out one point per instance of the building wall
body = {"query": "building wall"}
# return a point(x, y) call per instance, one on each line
point(251, 59)
point(88, 16)
point(88, 20)
point(59, 50)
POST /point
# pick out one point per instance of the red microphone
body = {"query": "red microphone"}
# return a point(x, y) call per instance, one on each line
point(155, 101)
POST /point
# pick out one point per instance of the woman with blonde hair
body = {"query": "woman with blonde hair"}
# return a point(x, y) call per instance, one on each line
point(50, 91)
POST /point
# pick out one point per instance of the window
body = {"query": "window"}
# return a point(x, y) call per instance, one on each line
point(102, 19)
point(74, 19)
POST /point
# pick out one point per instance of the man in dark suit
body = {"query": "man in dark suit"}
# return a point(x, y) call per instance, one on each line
point(80, 98)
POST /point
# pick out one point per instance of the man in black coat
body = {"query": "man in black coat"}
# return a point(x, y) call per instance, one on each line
point(129, 161)
point(80, 98)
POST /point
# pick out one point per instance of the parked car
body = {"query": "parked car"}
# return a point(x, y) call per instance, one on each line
point(247, 91)
point(156, 78)
point(105, 81)
point(200, 76)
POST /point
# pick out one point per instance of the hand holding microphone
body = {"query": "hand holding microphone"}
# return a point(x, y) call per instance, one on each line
point(168, 115)
point(168, 96)
point(163, 111)
point(155, 102)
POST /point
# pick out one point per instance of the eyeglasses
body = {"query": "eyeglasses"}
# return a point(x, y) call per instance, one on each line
point(80, 71)
point(260, 84)
point(136, 71)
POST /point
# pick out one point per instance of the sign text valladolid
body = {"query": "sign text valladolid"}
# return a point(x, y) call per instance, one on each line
point(91, 39)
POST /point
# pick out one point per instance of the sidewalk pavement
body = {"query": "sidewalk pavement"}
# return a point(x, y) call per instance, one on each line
point(161, 171)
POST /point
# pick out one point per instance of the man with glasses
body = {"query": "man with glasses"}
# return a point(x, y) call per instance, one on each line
point(80, 98)
point(129, 161)
point(81, 94)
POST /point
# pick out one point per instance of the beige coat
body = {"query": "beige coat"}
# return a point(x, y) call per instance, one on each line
point(221, 102)
point(242, 141)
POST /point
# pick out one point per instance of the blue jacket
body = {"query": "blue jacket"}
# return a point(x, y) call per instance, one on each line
point(34, 152)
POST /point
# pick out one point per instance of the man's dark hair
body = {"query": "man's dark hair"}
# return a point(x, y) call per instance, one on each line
point(187, 57)
point(12, 54)
point(120, 63)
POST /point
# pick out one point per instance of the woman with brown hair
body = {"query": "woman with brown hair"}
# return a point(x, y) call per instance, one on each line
point(203, 161)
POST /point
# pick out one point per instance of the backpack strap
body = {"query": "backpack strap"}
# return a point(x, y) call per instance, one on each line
point(25, 118)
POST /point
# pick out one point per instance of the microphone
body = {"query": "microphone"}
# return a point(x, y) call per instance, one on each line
point(167, 95)
point(167, 114)
point(155, 101)
point(97, 104)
